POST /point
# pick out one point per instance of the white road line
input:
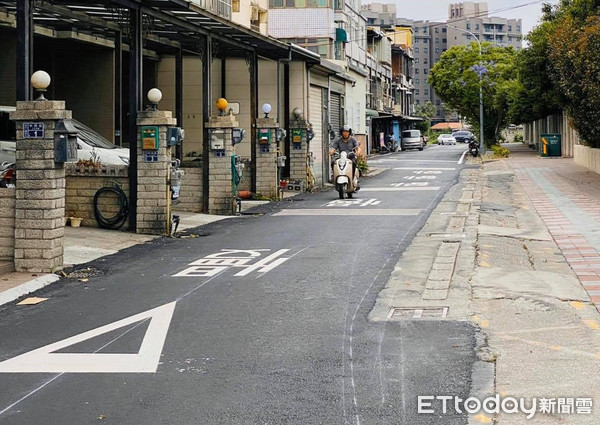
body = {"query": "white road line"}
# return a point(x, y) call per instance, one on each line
point(350, 212)
point(423, 169)
point(397, 189)
point(462, 158)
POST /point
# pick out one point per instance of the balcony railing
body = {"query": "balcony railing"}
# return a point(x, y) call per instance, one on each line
point(220, 8)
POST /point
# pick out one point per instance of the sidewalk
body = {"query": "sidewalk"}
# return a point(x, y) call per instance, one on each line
point(513, 248)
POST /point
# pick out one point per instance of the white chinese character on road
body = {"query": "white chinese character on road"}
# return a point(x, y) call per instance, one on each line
point(213, 264)
point(411, 184)
point(353, 203)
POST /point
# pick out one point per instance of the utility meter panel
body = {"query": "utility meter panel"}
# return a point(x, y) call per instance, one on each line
point(298, 136)
point(217, 141)
point(264, 135)
point(150, 140)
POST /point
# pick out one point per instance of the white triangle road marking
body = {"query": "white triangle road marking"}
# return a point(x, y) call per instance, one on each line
point(45, 360)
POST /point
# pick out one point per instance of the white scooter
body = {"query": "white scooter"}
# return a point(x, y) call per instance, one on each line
point(342, 176)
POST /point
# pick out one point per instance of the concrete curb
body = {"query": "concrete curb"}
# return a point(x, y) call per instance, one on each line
point(17, 292)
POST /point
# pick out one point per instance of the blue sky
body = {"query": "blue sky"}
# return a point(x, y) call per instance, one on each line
point(438, 9)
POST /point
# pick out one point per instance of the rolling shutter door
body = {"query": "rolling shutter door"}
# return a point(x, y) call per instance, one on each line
point(315, 109)
point(335, 118)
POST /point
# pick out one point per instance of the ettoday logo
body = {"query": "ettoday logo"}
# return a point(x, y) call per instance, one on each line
point(508, 405)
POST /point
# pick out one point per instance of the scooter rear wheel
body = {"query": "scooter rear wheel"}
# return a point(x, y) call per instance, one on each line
point(341, 190)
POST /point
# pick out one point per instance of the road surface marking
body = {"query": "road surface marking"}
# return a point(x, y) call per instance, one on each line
point(425, 168)
point(45, 360)
point(411, 184)
point(213, 264)
point(353, 202)
point(462, 158)
point(397, 189)
point(419, 177)
point(427, 172)
point(350, 212)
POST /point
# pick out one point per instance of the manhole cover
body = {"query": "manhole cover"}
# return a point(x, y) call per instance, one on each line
point(418, 312)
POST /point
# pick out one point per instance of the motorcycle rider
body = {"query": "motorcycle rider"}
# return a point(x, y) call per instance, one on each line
point(347, 143)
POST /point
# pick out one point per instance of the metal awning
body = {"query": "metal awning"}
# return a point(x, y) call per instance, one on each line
point(167, 24)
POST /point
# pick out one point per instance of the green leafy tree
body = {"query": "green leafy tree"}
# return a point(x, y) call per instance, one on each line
point(426, 111)
point(456, 80)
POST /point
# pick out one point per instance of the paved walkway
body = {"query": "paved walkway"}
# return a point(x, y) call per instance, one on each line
point(567, 198)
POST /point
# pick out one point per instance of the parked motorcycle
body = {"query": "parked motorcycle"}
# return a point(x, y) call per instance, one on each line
point(344, 183)
point(7, 174)
point(474, 147)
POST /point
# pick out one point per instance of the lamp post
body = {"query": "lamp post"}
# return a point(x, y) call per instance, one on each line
point(481, 143)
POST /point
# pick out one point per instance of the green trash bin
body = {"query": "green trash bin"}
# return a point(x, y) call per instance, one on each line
point(550, 144)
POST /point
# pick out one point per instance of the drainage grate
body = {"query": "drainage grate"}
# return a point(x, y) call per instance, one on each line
point(418, 312)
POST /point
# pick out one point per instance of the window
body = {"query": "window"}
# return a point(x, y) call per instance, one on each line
point(416, 50)
point(417, 92)
point(437, 49)
point(425, 61)
point(468, 25)
point(509, 28)
point(477, 26)
point(438, 113)
point(276, 3)
point(416, 60)
point(416, 30)
point(468, 36)
point(437, 30)
point(425, 50)
point(417, 102)
point(438, 102)
point(424, 30)
point(418, 81)
point(425, 71)
point(444, 30)
point(437, 40)
point(416, 70)
point(444, 40)
point(518, 28)
point(426, 92)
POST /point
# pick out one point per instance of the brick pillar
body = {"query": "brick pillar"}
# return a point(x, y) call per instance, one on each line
point(221, 199)
point(298, 151)
point(267, 180)
point(40, 194)
point(154, 167)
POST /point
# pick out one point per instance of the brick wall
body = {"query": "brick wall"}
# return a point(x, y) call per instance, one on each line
point(7, 229)
point(82, 185)
point(190, 197)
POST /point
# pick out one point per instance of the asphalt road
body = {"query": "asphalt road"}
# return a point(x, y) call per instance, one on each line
point(228, 341)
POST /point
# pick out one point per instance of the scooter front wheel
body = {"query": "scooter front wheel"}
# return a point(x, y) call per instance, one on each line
point(341, 190)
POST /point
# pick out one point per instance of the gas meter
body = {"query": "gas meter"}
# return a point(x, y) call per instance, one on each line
point(65, 142)
point(176, 176)
point(175, 136)
point(237, 135)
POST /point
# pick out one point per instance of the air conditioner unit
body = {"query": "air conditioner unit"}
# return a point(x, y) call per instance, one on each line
point(378, 104)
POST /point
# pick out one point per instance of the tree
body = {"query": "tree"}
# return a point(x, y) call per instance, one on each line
point(560, 69)
point(426, 112)
point(456, 80)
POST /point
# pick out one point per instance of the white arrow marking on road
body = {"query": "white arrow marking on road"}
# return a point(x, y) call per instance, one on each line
point(45, 360)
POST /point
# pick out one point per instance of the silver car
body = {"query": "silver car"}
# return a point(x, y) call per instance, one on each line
point(411, 139)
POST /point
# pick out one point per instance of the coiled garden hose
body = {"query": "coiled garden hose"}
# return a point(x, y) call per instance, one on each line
point(120, 218)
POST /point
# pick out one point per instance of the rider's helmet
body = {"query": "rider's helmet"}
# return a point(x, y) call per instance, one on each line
point(346, 128)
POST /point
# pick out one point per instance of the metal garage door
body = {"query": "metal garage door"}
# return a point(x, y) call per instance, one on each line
point(335, 114)
point(315, 110)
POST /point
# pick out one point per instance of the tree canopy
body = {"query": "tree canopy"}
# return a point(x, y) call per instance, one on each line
point(457, 77)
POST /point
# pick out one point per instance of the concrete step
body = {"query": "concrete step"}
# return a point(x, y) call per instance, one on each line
point(6, 267)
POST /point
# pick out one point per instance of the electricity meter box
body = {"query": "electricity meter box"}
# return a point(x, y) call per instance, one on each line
point(264, 135)
point(65, 142)
point(298, 136)
point(217, 139)
point(150, 137)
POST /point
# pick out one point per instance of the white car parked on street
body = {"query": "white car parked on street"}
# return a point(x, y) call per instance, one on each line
point(90, 145)
point(446, 139)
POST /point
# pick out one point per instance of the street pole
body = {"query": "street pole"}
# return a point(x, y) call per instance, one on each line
point(481, 142)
